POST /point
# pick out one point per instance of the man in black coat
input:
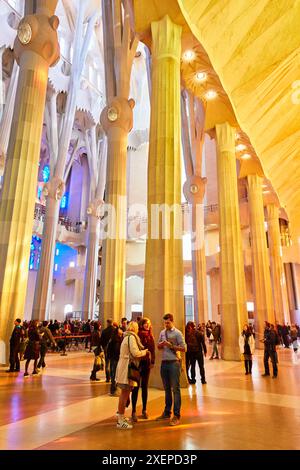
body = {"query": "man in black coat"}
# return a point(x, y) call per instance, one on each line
point(196, 347)
point(14, 343)
point(270, 341)
point(104, 340)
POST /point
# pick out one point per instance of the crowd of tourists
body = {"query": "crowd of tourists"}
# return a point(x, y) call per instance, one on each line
point(127, 353)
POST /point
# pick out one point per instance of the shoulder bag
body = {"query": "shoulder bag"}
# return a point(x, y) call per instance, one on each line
point(134, 373)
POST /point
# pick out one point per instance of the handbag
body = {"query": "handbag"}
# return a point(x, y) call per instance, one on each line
point(99, 362)
point(134, 373)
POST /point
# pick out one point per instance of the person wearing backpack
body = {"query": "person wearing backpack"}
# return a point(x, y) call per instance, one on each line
point(196, 348)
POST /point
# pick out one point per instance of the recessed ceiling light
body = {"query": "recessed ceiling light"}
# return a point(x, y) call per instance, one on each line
point(240, 147)
point(188, 56)
point(246, 156)
point(201, 76)
point(266, 192)
point(211, 95)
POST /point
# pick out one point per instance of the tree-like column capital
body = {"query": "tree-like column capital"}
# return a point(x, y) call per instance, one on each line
point(38, 33)
point(118, 114)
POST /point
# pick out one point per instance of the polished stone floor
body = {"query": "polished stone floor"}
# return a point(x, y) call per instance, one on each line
point(61, 409)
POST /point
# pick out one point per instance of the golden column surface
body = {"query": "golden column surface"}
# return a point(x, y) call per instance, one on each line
point(36, 48)
point(90, 280)
point(164, 264)
point(117, 122)
point(264, 306)
point(282, 313)
point(233, 289)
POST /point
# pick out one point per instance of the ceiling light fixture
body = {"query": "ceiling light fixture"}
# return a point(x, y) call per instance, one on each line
point(188, 56)
point(201, 76)
point(240, 147)
point(210, 95)
point(246, 156)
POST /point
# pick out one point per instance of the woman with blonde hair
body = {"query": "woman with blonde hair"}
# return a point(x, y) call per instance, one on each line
point(131, 350)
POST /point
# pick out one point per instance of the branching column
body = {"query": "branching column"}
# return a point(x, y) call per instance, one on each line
point(194, 190)
point(90, 278)
point(7, 116)
point(233, 289)
point(55, 189)
point(164, 262)
point(282, 313)
point(264, 306)
point(117, 122)
point(114, 246)
point(36, 48)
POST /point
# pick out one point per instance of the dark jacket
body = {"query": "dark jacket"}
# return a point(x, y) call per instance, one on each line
point(195, 342)
point(270, 339)
point(147, 341)
point(16, 337)
point(106, 335)
point(114, 345)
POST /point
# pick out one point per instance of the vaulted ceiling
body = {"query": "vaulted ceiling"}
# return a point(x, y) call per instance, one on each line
point(254, 48)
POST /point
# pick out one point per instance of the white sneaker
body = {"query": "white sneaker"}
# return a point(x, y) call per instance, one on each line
point(123, 424)
point(126, 419)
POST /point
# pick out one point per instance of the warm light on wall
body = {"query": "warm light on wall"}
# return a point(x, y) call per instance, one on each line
point(210, 95)
point(240, 147)
point(201, 76)
point(188, 56)
point(246, 156)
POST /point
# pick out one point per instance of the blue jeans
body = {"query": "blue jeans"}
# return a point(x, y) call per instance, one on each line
point(170, 375)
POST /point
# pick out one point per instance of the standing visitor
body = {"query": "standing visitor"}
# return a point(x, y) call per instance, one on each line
point(96, 348)
point(171, 342)
point(196, 347)
point(33, 348)
point(247, 346)
point(146, 363)
point(14, 344)
point(270, 350)
point(46, 336)
point(216, 333)
point(113, 355)
point(131, 350)
point(294, 338)
point(105, 338)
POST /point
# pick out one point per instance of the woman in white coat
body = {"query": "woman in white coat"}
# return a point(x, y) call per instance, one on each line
point(131, 350)
point(247, 346)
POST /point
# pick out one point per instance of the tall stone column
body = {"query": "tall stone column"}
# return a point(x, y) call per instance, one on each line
point(194, 190)
point(193, 134)
point(90, 280)
point(54, 191)
point(233, 287)
point(36, 48)
point(263, 297)
point(164, 261)
point(79, 281)
point(117, 121)
point(7, 116)
point(282, 314)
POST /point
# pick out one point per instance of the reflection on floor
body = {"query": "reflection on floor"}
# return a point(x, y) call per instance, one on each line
point(61, 409)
